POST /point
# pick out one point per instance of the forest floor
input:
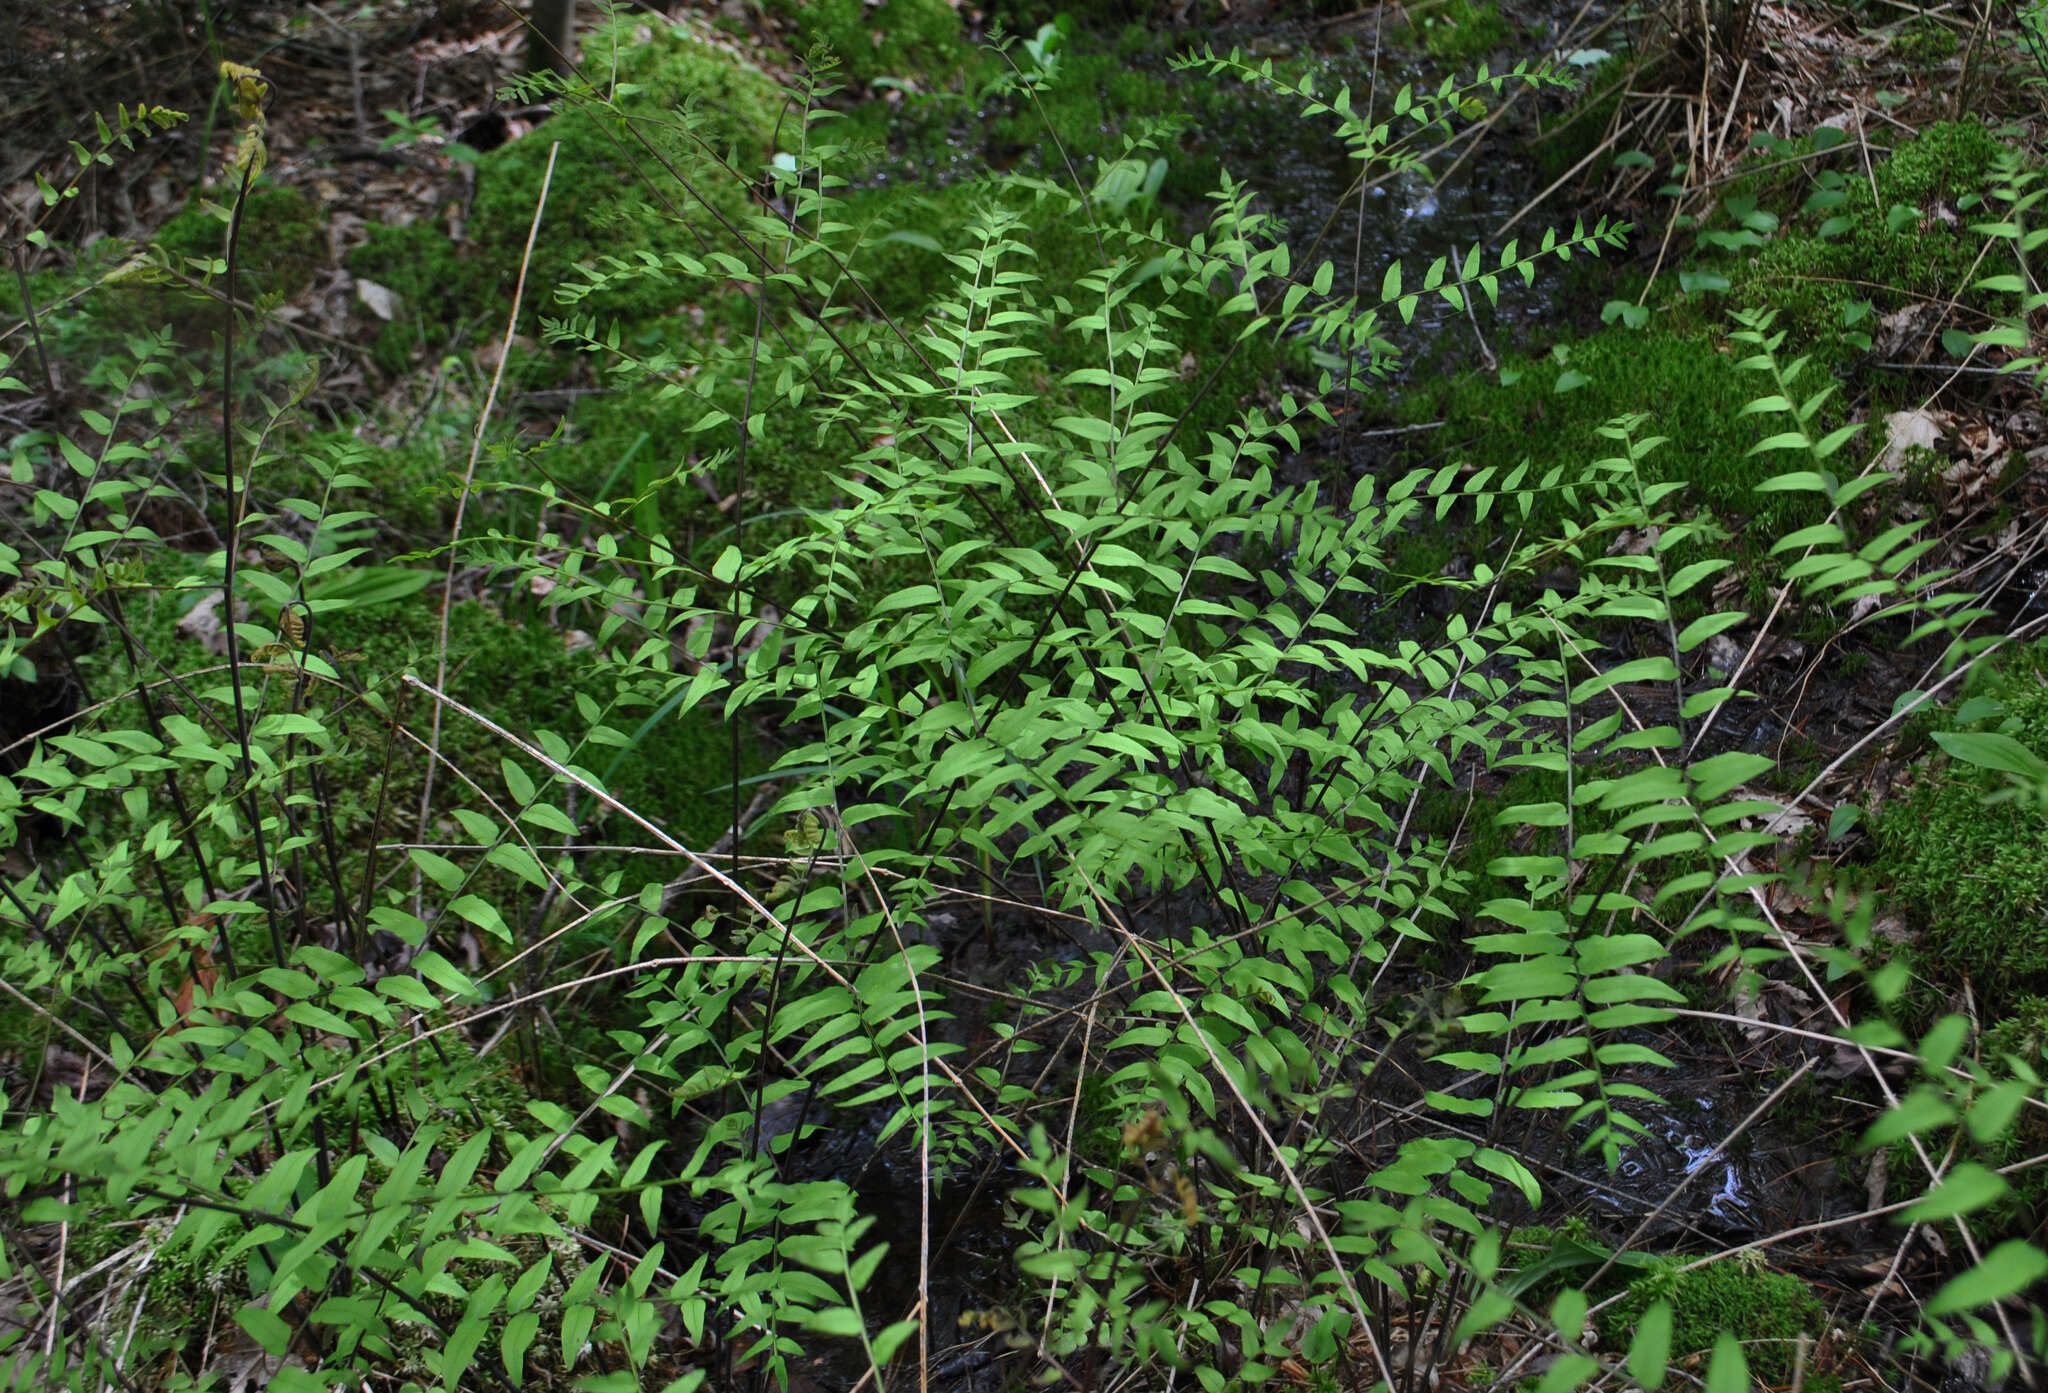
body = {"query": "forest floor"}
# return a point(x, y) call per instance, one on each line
point(1828, 167)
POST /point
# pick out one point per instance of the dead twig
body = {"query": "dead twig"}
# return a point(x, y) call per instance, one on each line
point(476, 448)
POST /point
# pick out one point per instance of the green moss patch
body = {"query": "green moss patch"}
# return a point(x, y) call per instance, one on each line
point(1974, 875)
point(1766, 1311)
point(441, 288)
point(901, 39)
point(514, 659)
point(283, 241)
point(1845, 247)
point(1925, 41)
point(1456, 31)
point(695, 125)
point(2017, 1047)
point(1687, 383)
point(1948, 159)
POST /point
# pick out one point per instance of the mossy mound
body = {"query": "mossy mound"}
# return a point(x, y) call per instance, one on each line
point(527, 670)
point(1974, 875)
point(695, 126)
point(1114, 88)
point(1905, 245)
point(283, 245)
point(901, 39)
point(93, 327)
point(440, 287)
point(2017, 1047)
point(1947, 160)
point(1687, 383)
point(1456, 31)
point(283, 241)
point(1766, 1311)
point(418, 479)
point(1926, 42)
point(509, 656)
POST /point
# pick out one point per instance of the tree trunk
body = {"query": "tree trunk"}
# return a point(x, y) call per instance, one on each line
point(550, 36)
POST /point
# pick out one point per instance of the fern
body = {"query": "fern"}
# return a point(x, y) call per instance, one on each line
point(1057, 645)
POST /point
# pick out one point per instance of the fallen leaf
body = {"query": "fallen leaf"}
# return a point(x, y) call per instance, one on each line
point(202, 624)
point(1907, 431)
point(381, 301)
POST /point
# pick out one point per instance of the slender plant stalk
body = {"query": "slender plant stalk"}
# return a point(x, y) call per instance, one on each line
point(476, 449)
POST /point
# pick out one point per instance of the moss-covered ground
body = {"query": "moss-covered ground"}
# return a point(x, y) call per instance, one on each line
point(672, 167)
point(1973, 872)
point(684, 159)
point(654, 174)
point(1767, 1311)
